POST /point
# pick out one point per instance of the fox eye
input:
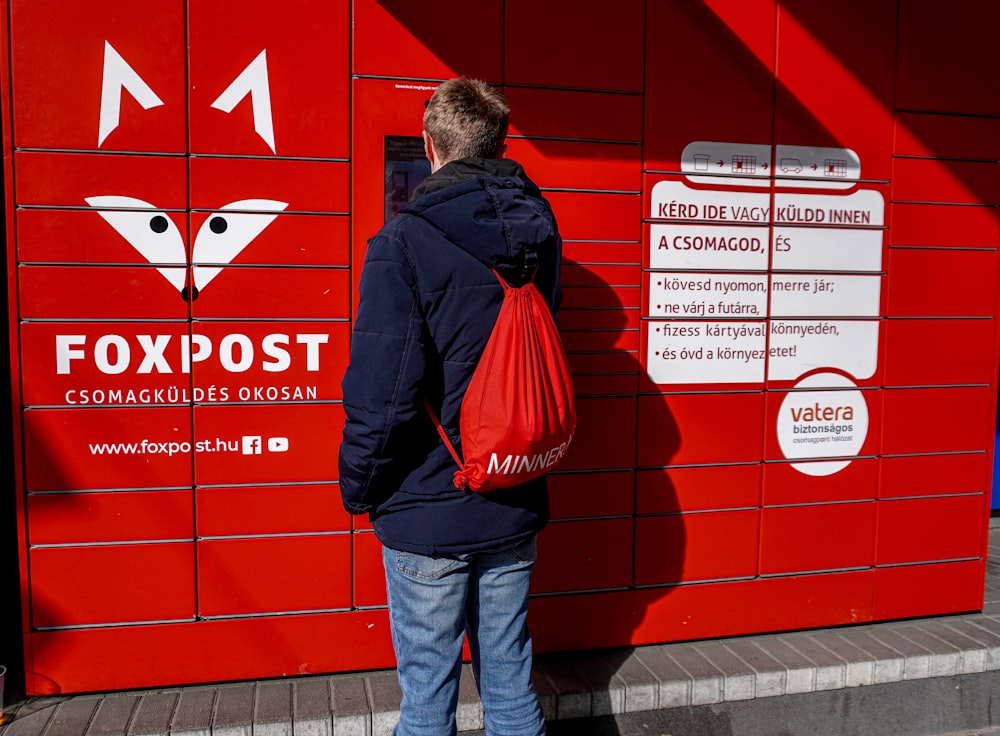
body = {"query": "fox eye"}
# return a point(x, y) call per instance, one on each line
point(158, 224)
point(218, 225)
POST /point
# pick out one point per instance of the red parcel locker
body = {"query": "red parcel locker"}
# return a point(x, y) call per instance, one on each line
point(715, 57)
point(824, 56)
point(400, 40)
point(112, 86)
point(269, 84)
point(596, 51)
point(189, 194)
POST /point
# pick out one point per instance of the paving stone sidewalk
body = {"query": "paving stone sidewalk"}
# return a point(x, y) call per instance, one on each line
point(570, 686)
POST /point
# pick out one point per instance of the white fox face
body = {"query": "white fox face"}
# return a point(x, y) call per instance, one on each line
point(156, 238)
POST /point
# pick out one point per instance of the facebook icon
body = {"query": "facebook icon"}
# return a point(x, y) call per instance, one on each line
point(252, 445)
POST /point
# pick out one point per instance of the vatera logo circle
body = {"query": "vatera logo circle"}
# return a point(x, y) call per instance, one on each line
point(826, 426)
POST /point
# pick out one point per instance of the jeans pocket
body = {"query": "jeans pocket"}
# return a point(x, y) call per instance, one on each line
point(423, 567)
point(525, 551)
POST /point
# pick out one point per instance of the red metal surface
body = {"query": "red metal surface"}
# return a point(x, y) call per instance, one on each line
point(596, 340)
point(943, 225)
point(715, 57)
point(947, 136)
point(57, 96)
point(574, 165)
point(602, 47)
point(600, 252)
point(777, 603)
point(924, 420)
point(707, 488)
point(303, 185)
point(583, 555)
point(922, 590)
point(936, 53)
point(68, 179)
point(397, 39)
point(590, 320)
point(686, 429)
point(930, 529)
point(817, 537)
point(783, 484)
point(944, 181)
point(601, 363)
point(590, 385)
point(598, 275)
point(296, 60)
point(596, 216)
point(73, 586)
point(601, 295)
point(275, 293)
point(607, 373)
point(99, 293)
point(649, 615)
point(927, 352)
point(274, 574)
point(593, 447)
point(825, 56)
point(368, 571)
point(696, 546)
point(209, 651)
point(578, 495)
point(562, 113)
point(942, 283)
point(929, 475)
point(120, 516)
point(247, 510)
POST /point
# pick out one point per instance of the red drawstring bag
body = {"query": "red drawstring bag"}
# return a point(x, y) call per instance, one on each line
point(518, 416)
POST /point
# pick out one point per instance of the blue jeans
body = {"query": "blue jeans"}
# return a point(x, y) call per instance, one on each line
point(433, 601)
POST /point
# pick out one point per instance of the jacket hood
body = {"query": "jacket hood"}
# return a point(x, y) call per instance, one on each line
point(490, 209)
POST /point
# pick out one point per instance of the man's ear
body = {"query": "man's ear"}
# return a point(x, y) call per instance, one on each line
point(430, 152)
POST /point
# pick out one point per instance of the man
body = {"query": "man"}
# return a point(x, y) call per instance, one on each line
point(455, 560)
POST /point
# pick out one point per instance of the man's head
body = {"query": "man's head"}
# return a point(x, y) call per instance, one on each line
point(465, 118)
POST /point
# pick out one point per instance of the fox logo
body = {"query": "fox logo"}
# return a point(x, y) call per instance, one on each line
point(147, 228)
point(156, 238)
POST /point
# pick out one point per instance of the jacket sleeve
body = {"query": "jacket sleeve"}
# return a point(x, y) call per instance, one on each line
point(382, 385)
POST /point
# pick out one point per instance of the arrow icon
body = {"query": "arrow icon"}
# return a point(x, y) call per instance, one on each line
point(119, 75)
point(814, 167)
point(721, 163)
point(764, 166)
point(252, 81)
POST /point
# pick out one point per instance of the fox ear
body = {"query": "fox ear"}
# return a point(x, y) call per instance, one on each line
point(225, 234)
point(149, 230)
point(118, 76)
point(252, 81)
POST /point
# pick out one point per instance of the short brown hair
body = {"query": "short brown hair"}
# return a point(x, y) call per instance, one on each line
point(466, 117)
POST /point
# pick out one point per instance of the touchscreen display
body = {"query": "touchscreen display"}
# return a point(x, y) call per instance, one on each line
point(406, 165)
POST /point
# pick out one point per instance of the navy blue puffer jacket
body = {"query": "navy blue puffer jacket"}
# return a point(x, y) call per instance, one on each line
point(427, 306)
